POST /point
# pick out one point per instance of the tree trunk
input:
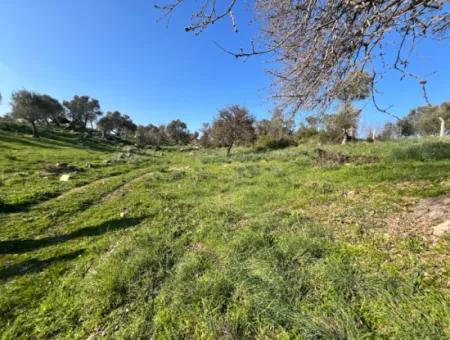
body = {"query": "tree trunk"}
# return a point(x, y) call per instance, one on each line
point(34, 129)
point(344, 140)
point(442, 131)
point(229, 150)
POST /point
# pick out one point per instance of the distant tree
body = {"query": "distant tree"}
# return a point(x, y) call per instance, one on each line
point(275, 133)
point(53, 111)
point(263, 127)
point(151, 135)
point(106, 124)
point(429, 122)
point(81, 110)
point(390, 131)
point(343, 123)
point(356, 86)
point(28, 106)
point(177, 132)
point(193, 137)
point(234, 125)
point(126, 126)
point(205, 138)
point(115, 122)
point(310, 128)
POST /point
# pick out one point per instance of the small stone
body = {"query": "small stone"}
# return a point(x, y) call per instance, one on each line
point(64, 178)
point(441, 229)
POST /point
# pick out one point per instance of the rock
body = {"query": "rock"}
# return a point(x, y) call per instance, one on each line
point(441, 229)
point(64, 178)
point(129, 149)
point(61, 167)
point(22, 174)
point(48, 174)
point(189, 148)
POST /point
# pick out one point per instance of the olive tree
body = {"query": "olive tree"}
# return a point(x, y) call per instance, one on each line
point(178, 132)
point(81, 110)
point(117, 123)
point(28, 106)
point(343, 124)
point(53, 111)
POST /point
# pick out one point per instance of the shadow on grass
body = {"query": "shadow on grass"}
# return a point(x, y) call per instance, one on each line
point(22, 246)
point(54, 139)
point(35, 265)
point(6, 208)
point(34, 142)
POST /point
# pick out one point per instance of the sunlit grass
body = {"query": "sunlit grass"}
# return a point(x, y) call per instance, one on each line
point(172, 245)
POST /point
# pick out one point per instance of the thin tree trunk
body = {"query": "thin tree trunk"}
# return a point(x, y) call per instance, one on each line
point(34, 129)
point(344, 140)
point(442, 131)
point(229, 150)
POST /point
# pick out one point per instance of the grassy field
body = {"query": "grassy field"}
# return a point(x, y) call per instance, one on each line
point(171, 245)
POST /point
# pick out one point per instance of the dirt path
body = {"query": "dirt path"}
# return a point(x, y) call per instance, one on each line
point(429, 217)
point(83, 187)
point(121, 189)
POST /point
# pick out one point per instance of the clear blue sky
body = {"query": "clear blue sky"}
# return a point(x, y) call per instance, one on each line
point(117, 52)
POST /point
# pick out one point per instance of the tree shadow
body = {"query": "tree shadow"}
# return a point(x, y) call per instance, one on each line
point(22, 246)
point(25, 142)
point(35, 265)
point(6, 208)
point(54, 140)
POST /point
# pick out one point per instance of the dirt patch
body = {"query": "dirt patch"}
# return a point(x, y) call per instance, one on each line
point(195, 247)
point(329, 158)
point(59, 168)
point(429, 217)
point(82, 188)
point(121, 190)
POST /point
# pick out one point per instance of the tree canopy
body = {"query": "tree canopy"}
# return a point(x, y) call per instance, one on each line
point(234, 125)
point(317, 44)
point(34, 107)
point(81, 110)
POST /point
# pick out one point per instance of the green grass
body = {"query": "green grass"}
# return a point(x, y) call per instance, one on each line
point(172, 245)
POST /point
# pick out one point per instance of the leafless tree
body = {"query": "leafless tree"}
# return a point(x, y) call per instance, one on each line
point(234, 125)
point(317, 43)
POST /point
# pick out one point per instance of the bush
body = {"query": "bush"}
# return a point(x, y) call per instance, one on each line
point(270, 143)
point(423, 152)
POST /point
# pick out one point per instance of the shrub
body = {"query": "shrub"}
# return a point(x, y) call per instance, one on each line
point(267, 142)
point(423, 152)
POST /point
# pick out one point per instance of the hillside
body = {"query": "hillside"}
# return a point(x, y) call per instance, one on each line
point(334, 243)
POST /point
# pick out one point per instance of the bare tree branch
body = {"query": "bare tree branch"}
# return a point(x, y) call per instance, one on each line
point(317, 43)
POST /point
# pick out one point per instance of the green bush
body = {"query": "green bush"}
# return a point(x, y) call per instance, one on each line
point(270, 143)
point(423, 152)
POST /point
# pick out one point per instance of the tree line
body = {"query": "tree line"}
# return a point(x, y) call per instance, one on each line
point(422, 121)
point(83, 113)
point(234, 125)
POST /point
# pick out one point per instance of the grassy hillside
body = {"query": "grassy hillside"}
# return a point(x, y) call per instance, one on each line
point(170, 245)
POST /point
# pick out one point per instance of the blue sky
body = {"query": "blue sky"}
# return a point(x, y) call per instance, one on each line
point(117, 51)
